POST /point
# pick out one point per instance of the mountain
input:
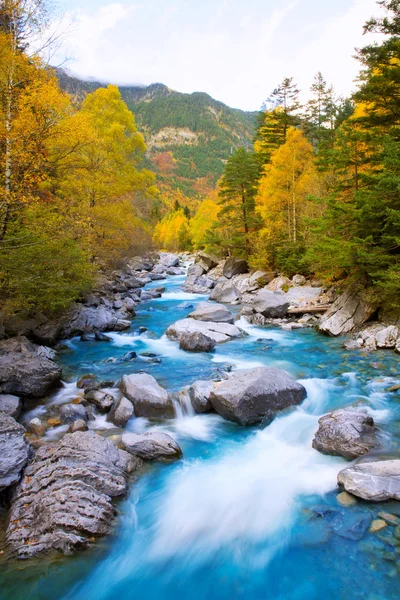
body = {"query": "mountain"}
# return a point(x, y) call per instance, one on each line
point(189, 136)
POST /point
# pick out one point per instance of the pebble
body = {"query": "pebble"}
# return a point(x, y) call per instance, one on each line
point(377, 525)
point(346, 499)
point(389, 518)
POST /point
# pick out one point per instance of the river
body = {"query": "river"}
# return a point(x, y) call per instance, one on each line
point(248, 513)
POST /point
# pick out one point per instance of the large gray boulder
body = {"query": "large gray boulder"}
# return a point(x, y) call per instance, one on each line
point(148, 398)
point(249, 396)
point(235, 266)
point(209, 311)
point(346, 313)
point(14, 451)
point(375, 481)
point(100, 399)
point(194, 273)
point(73, 412)
point(65, 496)
point(270, 304)
point(121, 412)
point(225, 292)
point(345, 432)
point(151, 446)
point(199, 394)
point(218, 332)
point(24, 370)
point(11, 405)
point(169, 260)
point(206, 261)
point(196, 342)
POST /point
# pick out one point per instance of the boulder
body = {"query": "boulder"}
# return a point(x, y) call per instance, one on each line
point(196, 342)
point(73, 412)
point(199, 394)
point(374, 481)
point(270, 304)
point(225, 292)
point(169, 260)
point(278, 283)
point(159, 270)
point(23, 371)
point(218, 332)
point(298, 280)
point(206, 261)
point(204, 283)
point(37, 427)
point(194, 272)
point(141, 264)
point(387, 338)
point(345, 432)
point(79, 425)
point(235, 266)
point(250, 396)
point(300, 296)
point(151, 446)
point(14, 451)
point(208, 311)
point(175, 271)
point(121, 412)
point(11, 405)
point(346, 313)
point(100, 399)
point(65, 497)
point(148, 398)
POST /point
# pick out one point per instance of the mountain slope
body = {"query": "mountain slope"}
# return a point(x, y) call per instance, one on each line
point(189, 136)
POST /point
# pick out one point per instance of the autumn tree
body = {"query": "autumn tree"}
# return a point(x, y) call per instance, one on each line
point(173, 232)
point(205, 218)
point(283, 201)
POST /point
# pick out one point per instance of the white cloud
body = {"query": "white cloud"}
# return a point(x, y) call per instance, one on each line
point(236, 58)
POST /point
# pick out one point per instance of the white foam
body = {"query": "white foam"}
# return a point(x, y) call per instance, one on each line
point(236, 361)
point(124, 339)
point(261, 332)
point(180, 295)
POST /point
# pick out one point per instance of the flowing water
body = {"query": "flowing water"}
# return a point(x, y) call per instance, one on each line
point(249, 513)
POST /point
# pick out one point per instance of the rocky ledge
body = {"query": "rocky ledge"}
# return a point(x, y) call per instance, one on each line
point(64, 500)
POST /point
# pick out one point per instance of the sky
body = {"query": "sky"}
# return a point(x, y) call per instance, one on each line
point(237, 51)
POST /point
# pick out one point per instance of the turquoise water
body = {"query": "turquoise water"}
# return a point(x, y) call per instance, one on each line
point(248, 513)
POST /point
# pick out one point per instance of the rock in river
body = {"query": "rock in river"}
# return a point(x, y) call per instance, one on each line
point(375, 481)
point(14, 451)
point(11, 405)
point(209, 311)
point(270, 304)
point(345, 432)
point(24, 370)
point(196, 342)
point(151, 446)
point(235, 266)
point(250, 395)
point(65, 496)
point(199, 394)
point(225, 292)
point(347, 312)
point(121, 412)
point(148, 398)
point(219, 332)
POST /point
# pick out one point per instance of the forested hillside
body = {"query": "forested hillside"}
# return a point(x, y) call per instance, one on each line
point(189, 136)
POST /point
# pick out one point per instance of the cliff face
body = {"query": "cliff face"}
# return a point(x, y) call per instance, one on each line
point(189, 136)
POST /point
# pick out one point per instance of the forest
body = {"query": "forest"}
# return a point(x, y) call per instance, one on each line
point(318, 194)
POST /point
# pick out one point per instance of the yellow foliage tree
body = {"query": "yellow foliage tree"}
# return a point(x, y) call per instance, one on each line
point(282, 198)
point(205, 217)
point(173, 232)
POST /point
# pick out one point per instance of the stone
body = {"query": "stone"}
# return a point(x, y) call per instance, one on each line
point(250, 395)
point(225, 292)
point(387, 338)
point(79, 425)
point(151, 446)
point(278, 283)
point(346, 432)
point(37, 427)
point(196, 342)
point(11, 405)
point(169, 260)
point(159, 270)
point(23, 372)
point(209, 311)
point(141, 264)
point(298, 280)
point(14, 451)
point(218, 332)
point(392, 520)
point(100, 399)
point(87, 381)
point(235, 266)
point(121, 412)
point(64, 499)
point(175, 271)
point(270, 304)
point(375, 481)
point(206, 261)
point(303, 296)
point(73, 412)
point(101, 337)
point(377, 525)
point(194, 272)
point(346, 313)
point(199, 394)
point(346, 499)
point(148, 398)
